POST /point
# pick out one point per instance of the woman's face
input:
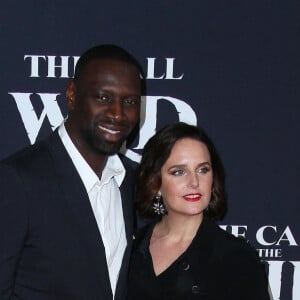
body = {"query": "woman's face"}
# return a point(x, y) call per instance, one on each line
point(187, 178)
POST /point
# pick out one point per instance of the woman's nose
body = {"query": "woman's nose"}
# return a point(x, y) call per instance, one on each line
point(193, 180)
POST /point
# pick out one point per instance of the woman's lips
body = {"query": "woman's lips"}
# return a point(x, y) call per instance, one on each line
point(192, 197)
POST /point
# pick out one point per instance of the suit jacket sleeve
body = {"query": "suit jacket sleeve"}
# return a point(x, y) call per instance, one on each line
point(13, 227)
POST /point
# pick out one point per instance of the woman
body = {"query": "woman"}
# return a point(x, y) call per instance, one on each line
point(184, 254)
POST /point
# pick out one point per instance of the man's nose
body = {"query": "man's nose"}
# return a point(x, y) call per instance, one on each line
point(115, 110)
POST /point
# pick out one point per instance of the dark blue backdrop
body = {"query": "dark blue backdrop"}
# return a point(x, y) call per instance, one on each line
point(229, 66)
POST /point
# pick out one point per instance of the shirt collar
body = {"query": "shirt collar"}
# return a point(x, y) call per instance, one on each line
point(113, 168)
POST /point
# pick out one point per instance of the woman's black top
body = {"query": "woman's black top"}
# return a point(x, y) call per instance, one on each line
point(216, 266)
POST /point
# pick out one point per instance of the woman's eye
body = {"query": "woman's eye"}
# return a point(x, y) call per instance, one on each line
point(177, 172)
point(204, 170)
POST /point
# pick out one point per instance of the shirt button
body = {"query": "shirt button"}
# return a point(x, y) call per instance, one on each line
point(196, 289)
point(184, 265)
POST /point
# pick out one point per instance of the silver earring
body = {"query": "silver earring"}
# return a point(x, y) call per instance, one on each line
point(158, 205)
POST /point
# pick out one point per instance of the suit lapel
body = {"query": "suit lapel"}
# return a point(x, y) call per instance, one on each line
point(127, 206)
point(82, 216)
point(126, 190)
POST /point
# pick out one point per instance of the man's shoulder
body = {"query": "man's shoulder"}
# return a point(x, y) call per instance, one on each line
point(129, 166)
point(128, 163)
point(30, 155)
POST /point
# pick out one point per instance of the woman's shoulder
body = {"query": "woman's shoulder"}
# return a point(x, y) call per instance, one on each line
point(226, 244)
point(239, 265)
point(235, 252)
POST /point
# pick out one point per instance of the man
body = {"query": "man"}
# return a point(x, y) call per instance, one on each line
point(66, 203)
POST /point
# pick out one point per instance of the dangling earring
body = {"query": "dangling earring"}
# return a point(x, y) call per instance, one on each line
point(158, 205)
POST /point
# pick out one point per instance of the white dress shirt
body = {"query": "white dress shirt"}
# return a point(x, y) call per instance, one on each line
point(105, 199)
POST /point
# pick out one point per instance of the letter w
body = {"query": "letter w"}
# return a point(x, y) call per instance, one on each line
point(29, 117)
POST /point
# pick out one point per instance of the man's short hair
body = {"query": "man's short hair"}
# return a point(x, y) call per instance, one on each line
point(106, 51)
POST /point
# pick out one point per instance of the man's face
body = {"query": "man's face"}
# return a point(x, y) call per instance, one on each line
point(104, 105)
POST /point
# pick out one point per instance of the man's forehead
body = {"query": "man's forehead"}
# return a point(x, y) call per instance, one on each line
point(109, 66)
point(108, 73)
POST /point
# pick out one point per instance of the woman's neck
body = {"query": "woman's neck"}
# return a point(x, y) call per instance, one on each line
point(178, 228)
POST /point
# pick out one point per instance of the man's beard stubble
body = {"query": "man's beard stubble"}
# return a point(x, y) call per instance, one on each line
point(99, 145)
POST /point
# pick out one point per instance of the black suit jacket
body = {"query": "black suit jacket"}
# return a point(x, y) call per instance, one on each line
point(216, 266)
point(50, 245)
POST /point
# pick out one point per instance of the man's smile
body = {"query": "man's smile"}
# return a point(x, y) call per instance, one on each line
point(109, 130)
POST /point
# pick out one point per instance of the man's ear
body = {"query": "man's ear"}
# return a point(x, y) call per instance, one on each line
point(70, 95)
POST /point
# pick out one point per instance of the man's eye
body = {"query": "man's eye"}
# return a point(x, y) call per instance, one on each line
point(102, 98)
point(130, 101)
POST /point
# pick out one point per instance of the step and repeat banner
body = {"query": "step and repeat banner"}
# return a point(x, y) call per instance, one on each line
point(232, 67)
